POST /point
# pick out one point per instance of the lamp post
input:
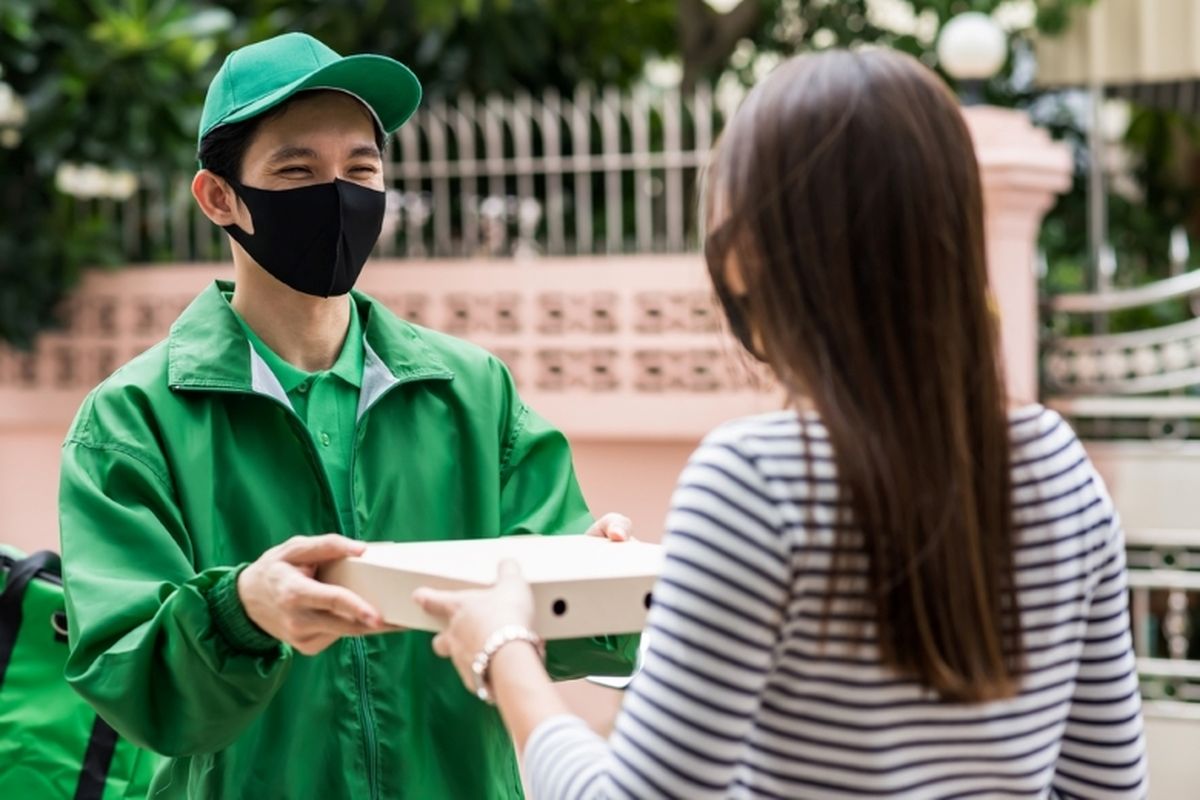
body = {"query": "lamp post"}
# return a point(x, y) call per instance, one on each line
point(972, 48)
point(1021, 171)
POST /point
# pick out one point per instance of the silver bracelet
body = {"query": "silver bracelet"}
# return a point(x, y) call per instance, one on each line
point(483, 659)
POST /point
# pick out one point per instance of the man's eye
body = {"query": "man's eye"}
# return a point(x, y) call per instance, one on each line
point(364, 170)
point(294, 171)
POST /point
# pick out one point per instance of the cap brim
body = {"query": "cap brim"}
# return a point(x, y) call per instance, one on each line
point(387, 87)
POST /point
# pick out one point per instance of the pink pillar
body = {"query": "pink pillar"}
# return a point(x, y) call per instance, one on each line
point(1023, 171)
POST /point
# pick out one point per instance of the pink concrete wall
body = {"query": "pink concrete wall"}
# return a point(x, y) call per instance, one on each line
point(29, 486)
point(626, 356)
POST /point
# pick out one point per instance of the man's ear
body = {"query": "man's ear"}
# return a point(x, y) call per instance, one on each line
point(216, 199)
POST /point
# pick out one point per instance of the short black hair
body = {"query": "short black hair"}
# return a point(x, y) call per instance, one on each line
point(223, 149)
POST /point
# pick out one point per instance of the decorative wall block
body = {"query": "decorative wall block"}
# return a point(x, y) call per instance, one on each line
point(697, 370)
point(641, 333)
point(22, 371)
point(577, 312)
point(151, 315)
point(92, 315)
point(412, 306)
point(564, 369)
point(63, 363)
point(675, 312)
point(467, 313)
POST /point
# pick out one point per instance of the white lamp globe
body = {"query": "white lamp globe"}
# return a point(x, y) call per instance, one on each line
point(972, 47)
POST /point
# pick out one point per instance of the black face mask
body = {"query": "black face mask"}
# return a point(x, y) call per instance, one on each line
point(315, 239)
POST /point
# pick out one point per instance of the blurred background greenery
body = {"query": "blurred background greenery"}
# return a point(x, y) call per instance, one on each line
point(117, 85)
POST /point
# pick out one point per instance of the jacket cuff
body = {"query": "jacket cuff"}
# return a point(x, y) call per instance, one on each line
point(230, 620)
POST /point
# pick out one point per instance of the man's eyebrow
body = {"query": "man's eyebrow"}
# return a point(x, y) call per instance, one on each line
point(291, 153)
point(366, 151)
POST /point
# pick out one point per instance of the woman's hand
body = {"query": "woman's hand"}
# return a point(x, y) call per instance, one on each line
point(472, 615)
point(614, 527)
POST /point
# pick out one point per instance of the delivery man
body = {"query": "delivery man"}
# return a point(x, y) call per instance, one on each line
point(284, 421)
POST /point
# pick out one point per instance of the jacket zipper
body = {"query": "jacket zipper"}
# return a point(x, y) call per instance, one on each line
point(358, 651)
point(366, 710)
point(365, 707)
point(367, 714)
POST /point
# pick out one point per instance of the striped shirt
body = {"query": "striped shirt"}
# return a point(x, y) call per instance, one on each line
point(737, 697)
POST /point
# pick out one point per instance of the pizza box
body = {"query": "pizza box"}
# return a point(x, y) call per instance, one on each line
point(582, 585)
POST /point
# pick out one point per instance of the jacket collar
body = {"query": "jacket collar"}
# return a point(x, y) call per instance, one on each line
point(208, 350)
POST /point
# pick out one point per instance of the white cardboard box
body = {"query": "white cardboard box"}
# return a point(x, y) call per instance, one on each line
point(582, 585)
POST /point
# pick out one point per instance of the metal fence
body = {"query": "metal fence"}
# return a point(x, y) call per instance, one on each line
point(1134, 384)
point(1141, 387)
point(600, 171)
point(1164, 580)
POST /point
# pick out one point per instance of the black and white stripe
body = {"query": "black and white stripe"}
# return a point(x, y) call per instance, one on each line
point(739, 697)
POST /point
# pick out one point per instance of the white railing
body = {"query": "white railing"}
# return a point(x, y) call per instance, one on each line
point(1164, 580)
point(1142, 385)
point(1134, 384)
point(600, 171)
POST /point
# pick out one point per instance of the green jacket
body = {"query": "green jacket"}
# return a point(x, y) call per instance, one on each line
point(185, 464)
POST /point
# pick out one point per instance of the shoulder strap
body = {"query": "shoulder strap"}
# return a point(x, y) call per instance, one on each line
point(19, 576)
point(96, 761)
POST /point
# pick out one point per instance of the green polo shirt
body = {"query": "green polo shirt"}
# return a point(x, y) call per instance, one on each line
point(327, 403)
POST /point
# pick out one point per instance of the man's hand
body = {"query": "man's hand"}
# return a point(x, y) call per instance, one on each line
point(614, 527)
point(282, 596)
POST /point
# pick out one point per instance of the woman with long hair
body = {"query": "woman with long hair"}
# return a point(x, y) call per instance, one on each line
point(900, 586)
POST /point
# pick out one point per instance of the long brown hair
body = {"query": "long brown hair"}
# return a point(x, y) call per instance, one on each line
point(851, 205)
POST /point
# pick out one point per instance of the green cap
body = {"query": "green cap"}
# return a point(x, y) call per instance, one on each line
point(260, 76)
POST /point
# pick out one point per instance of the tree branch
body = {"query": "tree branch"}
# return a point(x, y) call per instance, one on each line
point(707, 39)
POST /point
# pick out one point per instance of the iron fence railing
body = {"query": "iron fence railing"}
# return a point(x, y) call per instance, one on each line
point(1164, 579)
point(1139, 383)
point(595, 172)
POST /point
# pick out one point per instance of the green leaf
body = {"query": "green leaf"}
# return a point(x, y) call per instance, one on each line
point(204, 24)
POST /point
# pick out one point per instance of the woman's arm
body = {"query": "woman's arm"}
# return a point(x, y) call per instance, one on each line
point(523, 692)
point(712, 633)
point(1103, 746)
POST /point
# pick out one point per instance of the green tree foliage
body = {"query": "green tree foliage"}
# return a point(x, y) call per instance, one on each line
point(119, 83)
point(481, 46)
point(107, 81)
point(1155, 196)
